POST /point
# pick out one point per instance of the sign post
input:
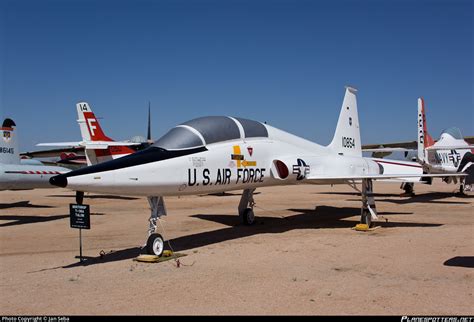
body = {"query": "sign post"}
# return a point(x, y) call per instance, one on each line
point(79, 218)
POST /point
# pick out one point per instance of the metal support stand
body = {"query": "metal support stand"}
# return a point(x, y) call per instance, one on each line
point(79, 197)
point(81, 259)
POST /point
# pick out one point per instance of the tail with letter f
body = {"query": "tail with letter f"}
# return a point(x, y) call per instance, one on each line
point(104, 148)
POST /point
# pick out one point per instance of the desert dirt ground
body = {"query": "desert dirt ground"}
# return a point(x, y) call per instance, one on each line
point(301, 257)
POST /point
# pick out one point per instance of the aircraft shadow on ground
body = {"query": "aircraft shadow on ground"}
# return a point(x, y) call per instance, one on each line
point(226, 194)
point(22, 204)
point(23, 220)
point(432, 197)
point(319, 218)
point(460, 261)
point(73, 197)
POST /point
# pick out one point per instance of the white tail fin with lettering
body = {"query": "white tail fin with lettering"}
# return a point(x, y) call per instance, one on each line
point(346, 140)
point(9, 153)
point(424, 139)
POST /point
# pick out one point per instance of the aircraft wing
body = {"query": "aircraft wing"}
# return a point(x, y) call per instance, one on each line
point(385, 176)
point(387, 150)
point(52, 152)
point(71, 144)
point(411, 145)
point(90, 144)
point(450, 147)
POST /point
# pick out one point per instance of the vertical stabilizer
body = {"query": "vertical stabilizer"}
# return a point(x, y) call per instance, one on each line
point(91, 132)
point(424, 139)
point(346, 140)
point(89, 125)
point(9, 153)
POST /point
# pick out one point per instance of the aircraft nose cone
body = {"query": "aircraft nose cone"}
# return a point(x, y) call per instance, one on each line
point(60, 181)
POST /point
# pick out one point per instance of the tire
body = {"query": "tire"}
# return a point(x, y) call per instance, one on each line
point(155, 244)
point(248, 217)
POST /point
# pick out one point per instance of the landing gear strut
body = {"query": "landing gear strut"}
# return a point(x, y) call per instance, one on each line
point(368, 210)
point(155, 243)
point(246, 207)
point(463, 187)
point(409, 188)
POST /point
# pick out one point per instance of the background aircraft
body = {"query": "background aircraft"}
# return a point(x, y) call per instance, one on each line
point(218, 153)
point(450, 154)
point(95, 146)
point(18, 174)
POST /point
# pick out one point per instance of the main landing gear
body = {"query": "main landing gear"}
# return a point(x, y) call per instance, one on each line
point(246, 207)
point(155, 243)
point(409, 188)
point(368, 210)
point(463, 187)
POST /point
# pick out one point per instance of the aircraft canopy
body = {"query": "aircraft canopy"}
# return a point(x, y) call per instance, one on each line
point(210, 129)
point(454, 132)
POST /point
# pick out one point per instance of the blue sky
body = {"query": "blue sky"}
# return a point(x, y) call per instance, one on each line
point(284, 62)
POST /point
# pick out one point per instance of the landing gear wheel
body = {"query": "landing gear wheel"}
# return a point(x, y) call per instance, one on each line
point(461, 189)
point(155, 244)
point(248, 217)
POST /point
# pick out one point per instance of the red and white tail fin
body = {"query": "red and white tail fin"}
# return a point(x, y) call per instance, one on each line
point(90, 127)
point(424, 139)
point(96, 148)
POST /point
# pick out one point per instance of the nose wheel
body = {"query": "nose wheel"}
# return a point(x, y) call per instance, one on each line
point(248, 217)
point(246, 207)
point(155, 244)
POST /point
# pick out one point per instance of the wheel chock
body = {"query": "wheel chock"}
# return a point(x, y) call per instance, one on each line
point(361, 227)
point(167, 255)
point(364, 227)
point(147, 258)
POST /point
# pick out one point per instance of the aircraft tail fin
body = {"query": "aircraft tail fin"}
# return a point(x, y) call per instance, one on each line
point(89, 125)
point(424, 138)
point(346, 140)
point(91, 132)
point(9, 153)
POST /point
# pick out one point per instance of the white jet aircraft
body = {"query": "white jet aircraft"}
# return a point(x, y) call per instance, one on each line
point(218, 153)
point(18, 174)
point(451, 154)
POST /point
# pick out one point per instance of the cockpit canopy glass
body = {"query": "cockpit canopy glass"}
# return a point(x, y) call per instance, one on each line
point(454, 132)
point(207, 130)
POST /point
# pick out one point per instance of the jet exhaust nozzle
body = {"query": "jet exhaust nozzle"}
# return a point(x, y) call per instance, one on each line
point(59, 181)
